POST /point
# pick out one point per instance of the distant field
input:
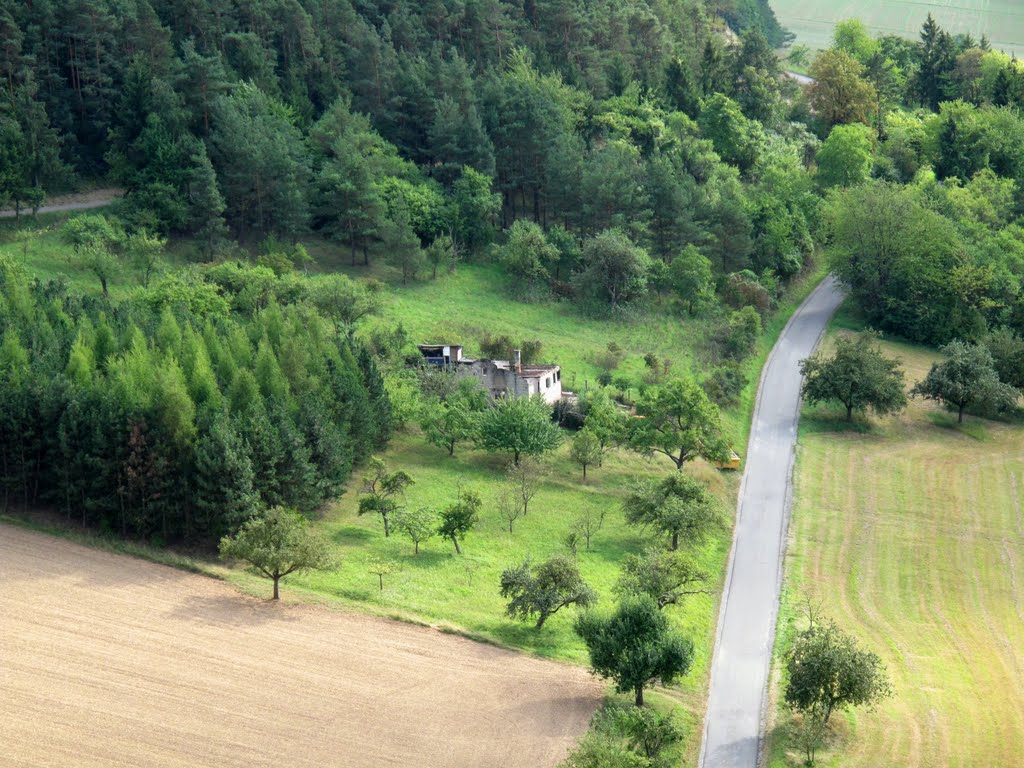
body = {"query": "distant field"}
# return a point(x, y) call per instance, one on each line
point(812, 20)
point(912, 537)
point(108, 660)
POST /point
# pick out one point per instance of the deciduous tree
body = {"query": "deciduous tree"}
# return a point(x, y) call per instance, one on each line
point(678, 506)
point(383, 491)
point(828, 671)
point(276, 544)
point(635, 646)
point(858, 375)
point(544, 589)
point(967, 378)
point(520, 425)
point(679, 421)
point(458, 519)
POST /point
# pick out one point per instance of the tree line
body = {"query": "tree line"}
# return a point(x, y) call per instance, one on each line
point(172, 415)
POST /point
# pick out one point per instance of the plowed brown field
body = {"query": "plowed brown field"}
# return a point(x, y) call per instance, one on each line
point(110, 661)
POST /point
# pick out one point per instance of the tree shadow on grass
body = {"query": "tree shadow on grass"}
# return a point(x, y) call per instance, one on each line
point(821, 420)
point(971, 427)
point(350, 534)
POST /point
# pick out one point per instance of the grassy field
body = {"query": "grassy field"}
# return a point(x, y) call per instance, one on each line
point(910, 533)
point(812, 20)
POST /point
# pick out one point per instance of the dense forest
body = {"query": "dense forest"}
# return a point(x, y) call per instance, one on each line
point(601, 152)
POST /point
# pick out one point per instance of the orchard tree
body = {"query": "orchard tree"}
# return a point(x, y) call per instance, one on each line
point(678, 506)
point(510, 504)
point(828, 671)
point(455, 419)
point(585, 450)
point(459, 518)
point(967, 378)
point(858, 375)
point(545, 589)
point(635, 646)
point(383, 491)
point(679, 421)
point(520, 425)
point(525, 479)
point(588, 524)
point(666, 577)
point(418, 524)
point(604, 419)
point(278, 543)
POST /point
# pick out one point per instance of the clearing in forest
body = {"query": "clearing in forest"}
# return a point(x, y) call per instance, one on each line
point(911, 535)
point(107, 660)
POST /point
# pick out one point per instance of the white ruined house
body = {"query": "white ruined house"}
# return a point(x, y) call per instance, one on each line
point(502, 378)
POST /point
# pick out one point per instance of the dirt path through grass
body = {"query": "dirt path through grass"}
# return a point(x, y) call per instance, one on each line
point(77, 201)
point(110, 661)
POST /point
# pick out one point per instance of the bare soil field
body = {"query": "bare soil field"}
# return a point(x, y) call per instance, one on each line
point(110, 661)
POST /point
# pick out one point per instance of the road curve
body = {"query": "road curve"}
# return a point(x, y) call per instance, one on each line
point(746, 622)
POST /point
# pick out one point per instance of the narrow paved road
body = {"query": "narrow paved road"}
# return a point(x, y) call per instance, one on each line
point(746, 625)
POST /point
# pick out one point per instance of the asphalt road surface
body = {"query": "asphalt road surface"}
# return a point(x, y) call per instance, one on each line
point(746, 625)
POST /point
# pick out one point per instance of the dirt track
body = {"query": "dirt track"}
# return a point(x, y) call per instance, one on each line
point(110, 661)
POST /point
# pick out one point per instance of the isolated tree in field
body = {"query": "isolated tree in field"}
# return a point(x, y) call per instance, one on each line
point(525, 479)
point(96, 241)
point(520, 425)
point(344, 300)
point(666, 577)
point(966, 378)
point(380, 568)
point(455, 419)
point(827, 671)
point(679, 421)
point(588, 524)
point(510, 504)
point(418, 524)
point(586, 450)
point(604, 420)
point(441, 253)
point(678, 506)
point(276, 544)
point(544, 589)
point(635, 646)
point(459, 518)
point(857, 375)
point(383, 492)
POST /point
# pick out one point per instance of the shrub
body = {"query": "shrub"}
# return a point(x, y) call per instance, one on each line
point(725, 383)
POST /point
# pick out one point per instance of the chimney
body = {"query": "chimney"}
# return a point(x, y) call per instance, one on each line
point(517, 361)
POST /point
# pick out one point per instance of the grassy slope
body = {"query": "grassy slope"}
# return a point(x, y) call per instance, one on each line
point(812, 20)
point(460, 593)
point(911, 535)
